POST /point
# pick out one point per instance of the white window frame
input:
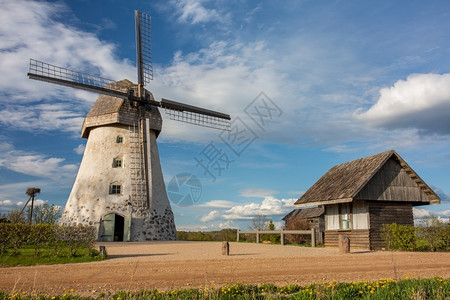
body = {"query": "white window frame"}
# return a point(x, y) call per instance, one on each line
point(345, 216)
point(115, 188)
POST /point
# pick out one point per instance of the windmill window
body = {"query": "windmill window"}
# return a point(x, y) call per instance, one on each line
point(117, 163)
point(119, 139)
point(115, 189)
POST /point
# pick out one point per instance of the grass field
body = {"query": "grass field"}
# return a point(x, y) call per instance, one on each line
point(47, 256)
point(434, 288)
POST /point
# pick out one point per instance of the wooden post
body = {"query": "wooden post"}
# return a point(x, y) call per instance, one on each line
point(257, 236)
point(102, 250)
point(225, 248)
point(281, 237)
point(237, 236)
point(313, 237)
point(344, 244)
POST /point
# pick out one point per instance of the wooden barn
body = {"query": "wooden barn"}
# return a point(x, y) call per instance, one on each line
point(314, 217)
point(362, 195)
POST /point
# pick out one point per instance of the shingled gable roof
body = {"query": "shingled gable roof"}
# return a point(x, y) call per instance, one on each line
point(343, 182)
point(305, 213)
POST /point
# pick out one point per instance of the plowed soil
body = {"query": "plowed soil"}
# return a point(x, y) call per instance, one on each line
point(166, 265)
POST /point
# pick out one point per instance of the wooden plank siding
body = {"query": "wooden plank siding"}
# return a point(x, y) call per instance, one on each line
point(382, 212)
point(392, 183)
point(359, 238)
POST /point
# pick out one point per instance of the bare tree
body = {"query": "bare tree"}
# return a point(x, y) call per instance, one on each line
point(16, 216)
point(260, 222)
point(297, 224)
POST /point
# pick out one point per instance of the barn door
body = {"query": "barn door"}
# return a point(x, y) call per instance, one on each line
point(108, 228)
point(127, 229)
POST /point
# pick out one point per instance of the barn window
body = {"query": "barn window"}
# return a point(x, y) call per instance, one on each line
point(119, 139)
point(345, 219)
point(117, 162)
point(115, 188)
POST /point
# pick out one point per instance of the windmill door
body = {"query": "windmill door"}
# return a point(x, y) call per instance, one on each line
point(115, 228)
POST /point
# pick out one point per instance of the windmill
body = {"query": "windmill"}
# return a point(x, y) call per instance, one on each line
point(119, 187)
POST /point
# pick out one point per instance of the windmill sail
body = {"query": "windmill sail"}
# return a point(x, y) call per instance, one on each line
point(143, 47)
point(195, 115)
point(42, 71)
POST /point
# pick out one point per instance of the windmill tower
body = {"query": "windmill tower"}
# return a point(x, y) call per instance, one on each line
point(119, 187)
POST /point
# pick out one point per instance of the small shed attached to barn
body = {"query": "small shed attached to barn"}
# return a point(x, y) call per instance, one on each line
point(314, 218)
point(362, 195)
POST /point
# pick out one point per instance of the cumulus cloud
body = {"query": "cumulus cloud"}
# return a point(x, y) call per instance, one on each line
point(212, 215)
point(31, 29)
point(420, 212)
point(217, 204)
point(422, 101)
point(192, 11)
point(80, 149)
point(38, 165)
point(269, 206)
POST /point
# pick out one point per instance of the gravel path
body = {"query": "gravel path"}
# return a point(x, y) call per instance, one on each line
point(180, 264)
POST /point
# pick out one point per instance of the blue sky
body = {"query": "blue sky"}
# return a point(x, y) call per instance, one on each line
point(345, 79)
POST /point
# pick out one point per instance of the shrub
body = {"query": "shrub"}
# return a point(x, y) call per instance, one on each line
point(76, 237)
point(298, 224)
point(399, 237)
point(434, 236)
point(16, 236)
point(40, 236)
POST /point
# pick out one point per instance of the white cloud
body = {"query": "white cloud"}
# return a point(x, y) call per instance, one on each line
point(422, 101)
point(258, 193)
point(420, 212)
point(226, 224)
point(444, 213)
point(6, 203)
point(217, 204)
point(212, 215)
point(29, 29)
point(192, 11)
point(269, 206)
point(340, 149)
point(80, 149)
point(38, 165)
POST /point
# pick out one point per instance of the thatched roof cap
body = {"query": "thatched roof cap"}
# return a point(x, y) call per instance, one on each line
point(109, 110)
point(105, 104)
point(305, 213)
point(343, 182)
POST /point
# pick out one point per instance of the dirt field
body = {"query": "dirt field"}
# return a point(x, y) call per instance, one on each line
point(165, 265)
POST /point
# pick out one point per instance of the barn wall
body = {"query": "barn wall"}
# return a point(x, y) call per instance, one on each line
point(387, 213)
point(392, 183)
point(359, 238)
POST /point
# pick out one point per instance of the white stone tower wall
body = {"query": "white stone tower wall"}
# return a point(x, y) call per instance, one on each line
point(90, 198)
point(146, 212)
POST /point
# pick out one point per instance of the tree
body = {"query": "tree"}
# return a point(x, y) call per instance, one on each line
point(260, 222)
point(297, 224)
point(46, 214)
point(271, 225)
point(16, 216)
